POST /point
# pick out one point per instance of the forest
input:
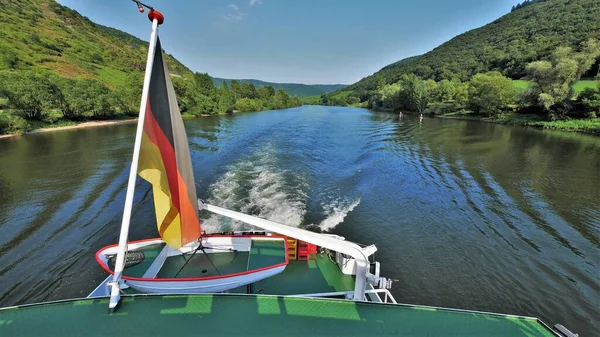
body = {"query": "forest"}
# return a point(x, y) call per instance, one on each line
point(542, 58)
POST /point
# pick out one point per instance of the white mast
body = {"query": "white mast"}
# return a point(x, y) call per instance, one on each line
point(115, 295)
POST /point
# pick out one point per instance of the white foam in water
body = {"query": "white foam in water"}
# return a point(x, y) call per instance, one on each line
point(266, 198)
point(257, 186)
point(337, 211)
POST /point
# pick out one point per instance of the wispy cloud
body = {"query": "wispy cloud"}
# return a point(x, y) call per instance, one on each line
point(235, 14)
point(255, 2)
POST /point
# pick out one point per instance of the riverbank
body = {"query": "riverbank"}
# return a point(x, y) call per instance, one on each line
point(68, 125)
point(83, 125)
point(588, 126)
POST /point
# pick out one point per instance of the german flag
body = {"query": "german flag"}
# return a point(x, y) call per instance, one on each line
point(165, 160)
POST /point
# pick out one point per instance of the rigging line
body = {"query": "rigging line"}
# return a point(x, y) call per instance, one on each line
point(200, 247)
point(209, 260)
point(188, 260)
point(141, 6)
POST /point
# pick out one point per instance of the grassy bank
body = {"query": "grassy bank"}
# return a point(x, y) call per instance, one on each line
point(589, 126)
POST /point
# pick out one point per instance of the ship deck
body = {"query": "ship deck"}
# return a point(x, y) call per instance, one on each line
point(319, 274)
point(260, 315)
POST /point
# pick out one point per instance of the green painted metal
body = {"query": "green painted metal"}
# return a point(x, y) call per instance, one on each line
point(150, 254)
point(317, 275)
point(264, 253)
point(250, 315)
point(199, 265)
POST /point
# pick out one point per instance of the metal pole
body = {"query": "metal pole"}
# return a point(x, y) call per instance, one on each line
point(115, 295)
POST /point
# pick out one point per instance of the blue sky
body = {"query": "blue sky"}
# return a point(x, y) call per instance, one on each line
point(301, 41)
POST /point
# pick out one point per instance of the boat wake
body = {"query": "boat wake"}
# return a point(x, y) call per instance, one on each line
point(255, 186)
point(336, 212)
point(259, 186)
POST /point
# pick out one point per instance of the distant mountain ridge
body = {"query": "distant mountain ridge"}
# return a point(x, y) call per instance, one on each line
point(528, 33)
point(294, 89)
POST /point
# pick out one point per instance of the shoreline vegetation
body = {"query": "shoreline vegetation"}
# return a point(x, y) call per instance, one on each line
point(585, 126)
point(42, 127)
point(61, 127)
point(30, 101)
point(538, 65)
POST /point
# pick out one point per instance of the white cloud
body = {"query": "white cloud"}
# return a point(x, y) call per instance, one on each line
point(235, 15)
point(255, 2)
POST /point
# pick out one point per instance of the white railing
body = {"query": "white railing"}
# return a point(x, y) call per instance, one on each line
point(387, 296)
point(345, 247)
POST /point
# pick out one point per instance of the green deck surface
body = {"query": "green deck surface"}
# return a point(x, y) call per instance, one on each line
point(250, 315)
point(264, 253)
point(317, 275)
point(150, 254)
point(199, 265)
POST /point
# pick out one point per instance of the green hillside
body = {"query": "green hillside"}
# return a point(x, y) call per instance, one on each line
point(44, 35)
point(294, 89)
point(537, 65)
point(57, 67)
point(507, 45)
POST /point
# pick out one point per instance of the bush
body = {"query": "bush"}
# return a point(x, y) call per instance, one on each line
point(247, 105)
point(490, 93)
point(12, 124)
point(87, 98)
point(30, 94)
point(590, 99)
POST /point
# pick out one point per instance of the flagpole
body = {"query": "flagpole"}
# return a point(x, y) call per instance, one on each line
point(115, 295)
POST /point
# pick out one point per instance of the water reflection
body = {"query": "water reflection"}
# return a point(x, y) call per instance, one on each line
point(465, 214)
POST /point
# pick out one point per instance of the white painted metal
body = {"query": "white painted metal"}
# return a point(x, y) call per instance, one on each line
point(387, 295)
point(328, 242)
point(158, 263)
point(102, 290)
point(120, 263)
point(202, 286)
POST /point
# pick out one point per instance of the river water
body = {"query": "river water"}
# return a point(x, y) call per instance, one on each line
point(464, 214)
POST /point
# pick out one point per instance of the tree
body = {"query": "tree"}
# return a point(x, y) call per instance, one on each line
point(30, 94)
point(553, 80)
point(187, 94)
point(247, 90)
point(266, 92)
point(590, 98)
point(490, 93)
point(281, 99)
point(415, 93)
point(205, 84)
point(235, 88)
point(130, 93)
point(248, 105)
point(226, 99)
point(87, 98)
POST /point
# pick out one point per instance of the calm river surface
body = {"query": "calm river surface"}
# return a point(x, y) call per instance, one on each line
point(465, 214)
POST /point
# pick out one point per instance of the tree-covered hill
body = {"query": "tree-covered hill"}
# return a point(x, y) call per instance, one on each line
point(529, 33)
point(57, 66)
point(44, 35)
point(294, 89)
